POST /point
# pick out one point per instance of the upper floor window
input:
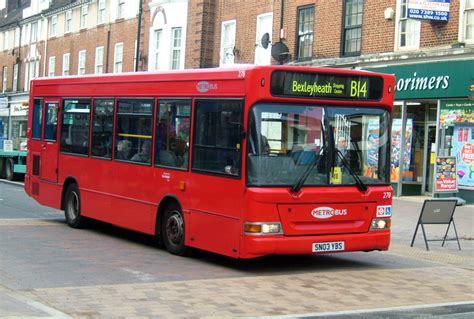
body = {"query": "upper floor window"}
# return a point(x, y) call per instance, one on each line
point(68, 21)
point(84, 11)
point(227, 42)
point(66, 62)
point(15, 78)
point(305, 33)
point(5, 79)
point(176, 48)
point(54, 25)
point(81, 68)
point(34, 32)
point(408, 29)
point(51, 65)
point(99, 60)
point(5, 40)
point(468, 25)
point(101, 12)
point(157, 35)
point(118, 58)
point(121, 9)
point(353, 11)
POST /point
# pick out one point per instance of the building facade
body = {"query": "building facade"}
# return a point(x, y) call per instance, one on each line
point(428, 45)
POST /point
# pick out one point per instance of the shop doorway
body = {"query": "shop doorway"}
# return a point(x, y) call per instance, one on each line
point(430, 151)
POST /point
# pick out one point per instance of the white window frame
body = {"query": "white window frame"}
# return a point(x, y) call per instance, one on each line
point(68, 21)
point(54, 26)
point(51, 66)
point(99, 60)
point(258, 39)
point(5, 40)
point(227, 45)
point(31, 72)
point(157, 41)
point(83, 15)
point(176, 65)
point(4, 78)
point(121, 9)
point(100, 11)
point(34, 32)
point(66, 64)
point(81, 62)
point(15, 78)
point(415, 24)
point(463, 11)
point(118, 57)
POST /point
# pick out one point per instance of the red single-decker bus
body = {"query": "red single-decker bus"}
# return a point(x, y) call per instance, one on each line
point(244, 162)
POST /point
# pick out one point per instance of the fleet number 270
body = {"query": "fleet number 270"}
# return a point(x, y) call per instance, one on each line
point(358, 89)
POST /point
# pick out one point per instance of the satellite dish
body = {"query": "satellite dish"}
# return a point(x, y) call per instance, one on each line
point(265, 41)
point(280, 52)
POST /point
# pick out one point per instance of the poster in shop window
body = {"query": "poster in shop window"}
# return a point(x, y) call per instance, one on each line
point(463, 149)
point(446, 179)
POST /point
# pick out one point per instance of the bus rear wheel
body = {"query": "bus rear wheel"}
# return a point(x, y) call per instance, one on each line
point(72, 207)
point(173, 230)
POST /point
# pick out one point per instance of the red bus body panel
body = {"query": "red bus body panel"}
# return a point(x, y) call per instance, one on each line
point(214, 207)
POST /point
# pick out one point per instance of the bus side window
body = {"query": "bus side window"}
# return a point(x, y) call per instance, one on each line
point(102, 128)
point(218, 136)
point(172, 133)
point(37, 119)
point(134, 125)
point(75, 126)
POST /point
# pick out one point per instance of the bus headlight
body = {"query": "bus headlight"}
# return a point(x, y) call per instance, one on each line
point(380, 224)
point(255, 228)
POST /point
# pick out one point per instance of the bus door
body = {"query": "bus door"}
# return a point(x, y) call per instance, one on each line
point(49, 143)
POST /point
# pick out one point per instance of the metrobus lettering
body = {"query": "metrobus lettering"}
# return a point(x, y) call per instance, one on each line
point(327, 212)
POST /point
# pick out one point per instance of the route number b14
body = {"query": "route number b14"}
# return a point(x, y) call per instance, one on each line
point(358, 89)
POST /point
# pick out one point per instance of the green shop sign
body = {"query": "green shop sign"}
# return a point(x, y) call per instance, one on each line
point(443, 79)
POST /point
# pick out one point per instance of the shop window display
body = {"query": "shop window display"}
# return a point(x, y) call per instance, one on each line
point(457, 137)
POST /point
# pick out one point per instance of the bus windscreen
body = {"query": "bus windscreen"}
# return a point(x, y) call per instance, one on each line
point(326, 86)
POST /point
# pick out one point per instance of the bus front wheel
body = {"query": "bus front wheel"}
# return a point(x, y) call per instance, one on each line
point(173, 230)
point(72, 207)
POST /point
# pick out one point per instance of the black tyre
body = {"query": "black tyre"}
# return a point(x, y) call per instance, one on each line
point(72, 207)
point(9, 170)
point(173, 230)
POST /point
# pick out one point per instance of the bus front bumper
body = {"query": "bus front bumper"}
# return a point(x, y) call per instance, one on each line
point(255, 246)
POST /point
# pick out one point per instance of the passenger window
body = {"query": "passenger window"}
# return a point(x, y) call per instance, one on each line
point(51, 123)
point(172, 133)
point(75, 126)
point(134, 130)
point(37, 118)
point(218, 136)
point(102, 128)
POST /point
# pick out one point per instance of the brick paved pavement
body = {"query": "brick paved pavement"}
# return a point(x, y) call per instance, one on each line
point(445, 276)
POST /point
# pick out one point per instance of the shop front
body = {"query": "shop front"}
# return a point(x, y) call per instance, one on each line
point(433, 119)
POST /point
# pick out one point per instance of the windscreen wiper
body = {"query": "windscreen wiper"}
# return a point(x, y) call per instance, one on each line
point(360, 184)
point(299, 183)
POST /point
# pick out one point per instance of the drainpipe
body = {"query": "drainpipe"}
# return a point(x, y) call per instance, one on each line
point(140, 9)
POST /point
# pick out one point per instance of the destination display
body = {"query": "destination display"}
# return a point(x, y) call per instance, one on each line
point(324, 85)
